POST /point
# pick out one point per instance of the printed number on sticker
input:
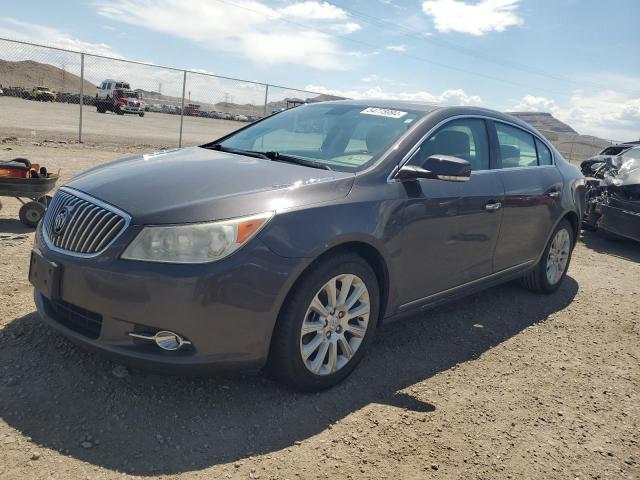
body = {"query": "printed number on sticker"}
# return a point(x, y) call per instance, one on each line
point(383, 112)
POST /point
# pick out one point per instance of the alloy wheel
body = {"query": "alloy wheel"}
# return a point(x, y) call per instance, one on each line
point(335, 324)
point(558, 256)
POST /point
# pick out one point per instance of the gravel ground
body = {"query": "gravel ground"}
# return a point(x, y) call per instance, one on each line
point(502, 384)
point(60, 121)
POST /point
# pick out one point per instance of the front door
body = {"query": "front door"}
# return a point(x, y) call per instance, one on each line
point(450, 228)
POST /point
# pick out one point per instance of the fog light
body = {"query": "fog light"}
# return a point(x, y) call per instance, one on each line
point(164, 339)
point(168, 340)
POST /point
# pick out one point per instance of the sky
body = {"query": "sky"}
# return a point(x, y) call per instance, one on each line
point(577, 59)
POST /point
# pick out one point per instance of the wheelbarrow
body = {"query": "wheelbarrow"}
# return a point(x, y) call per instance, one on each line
point(31, 193)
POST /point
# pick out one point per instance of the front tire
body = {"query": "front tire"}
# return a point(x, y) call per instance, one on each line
point(326, 324)
point(550, 271)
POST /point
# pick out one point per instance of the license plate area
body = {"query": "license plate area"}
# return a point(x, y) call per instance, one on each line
point(45, 275)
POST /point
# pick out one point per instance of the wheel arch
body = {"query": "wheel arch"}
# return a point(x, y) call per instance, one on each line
point(572, 218)
point(369, 253)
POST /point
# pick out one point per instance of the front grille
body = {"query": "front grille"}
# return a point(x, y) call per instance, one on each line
point(75, 318)
point(87, 228)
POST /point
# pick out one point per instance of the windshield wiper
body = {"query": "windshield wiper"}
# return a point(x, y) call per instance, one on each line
point(276, 156)
point(238, 151)
point(282, 157)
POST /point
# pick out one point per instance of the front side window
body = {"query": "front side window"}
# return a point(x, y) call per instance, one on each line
point(464, 138)
point(517, 147)
point(342, 137)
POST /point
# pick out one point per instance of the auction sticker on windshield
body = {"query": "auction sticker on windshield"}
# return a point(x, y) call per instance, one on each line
point(383, 112)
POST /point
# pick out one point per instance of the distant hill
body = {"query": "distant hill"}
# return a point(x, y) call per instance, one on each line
point(544, 121)
point(27, 74)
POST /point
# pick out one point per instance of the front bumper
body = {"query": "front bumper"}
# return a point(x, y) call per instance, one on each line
point(131, 109)
point(226, 309)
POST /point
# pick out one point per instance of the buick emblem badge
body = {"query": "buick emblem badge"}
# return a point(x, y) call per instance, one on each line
point(60, 221)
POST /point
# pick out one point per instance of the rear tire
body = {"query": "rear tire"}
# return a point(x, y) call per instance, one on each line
point(548, 274)
point(342, 334)
point(141, 114)
point(31, 213)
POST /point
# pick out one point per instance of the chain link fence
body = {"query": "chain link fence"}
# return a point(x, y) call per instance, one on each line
point(51, 93)
point(55, 93)
point(576, 147)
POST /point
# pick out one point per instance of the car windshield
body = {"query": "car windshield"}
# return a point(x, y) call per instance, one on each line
point(128, 94)
point(341, 137)
point(631, 153)
point(615, 150)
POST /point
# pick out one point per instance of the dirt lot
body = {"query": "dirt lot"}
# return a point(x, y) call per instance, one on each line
point(503, 384)
point(59, 121)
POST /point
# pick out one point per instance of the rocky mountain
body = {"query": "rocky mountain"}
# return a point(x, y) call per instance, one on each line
point(544, 121)
point(27, 74)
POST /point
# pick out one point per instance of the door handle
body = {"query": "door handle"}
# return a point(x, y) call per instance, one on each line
point(554, 193)
point(491, 206)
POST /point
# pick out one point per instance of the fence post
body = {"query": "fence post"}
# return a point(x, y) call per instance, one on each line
point(266, 98)
point(184, 86)
point(81, 100)
point(573, 141)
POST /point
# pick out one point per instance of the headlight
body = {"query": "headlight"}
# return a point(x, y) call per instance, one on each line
point(194, 243)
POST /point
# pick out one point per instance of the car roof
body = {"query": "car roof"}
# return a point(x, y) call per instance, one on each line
point(443, 111)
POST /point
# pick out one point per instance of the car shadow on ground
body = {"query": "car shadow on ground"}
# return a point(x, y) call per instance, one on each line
point(145, 423)
point(13, 226)
point(618, 247)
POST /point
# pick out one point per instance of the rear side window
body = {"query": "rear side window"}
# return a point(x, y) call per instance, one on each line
point(465, 138)
point(544, 154)
point(517, 147)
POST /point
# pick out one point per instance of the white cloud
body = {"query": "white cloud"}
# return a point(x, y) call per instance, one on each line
point(314, 11)
point(370, 78)
point(396, 48)
point(606, 114)
point(447, 97)
point(345, 28)
point(476, 19)
point(247, 27)
point(32, 32)
point(531, 103)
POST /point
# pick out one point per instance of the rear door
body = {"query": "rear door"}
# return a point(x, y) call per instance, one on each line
point(450, 229)
point(533, 189)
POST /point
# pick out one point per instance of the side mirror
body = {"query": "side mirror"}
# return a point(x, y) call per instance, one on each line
point(438, 167)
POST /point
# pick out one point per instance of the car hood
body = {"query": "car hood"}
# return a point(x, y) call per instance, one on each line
point(197, 184)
